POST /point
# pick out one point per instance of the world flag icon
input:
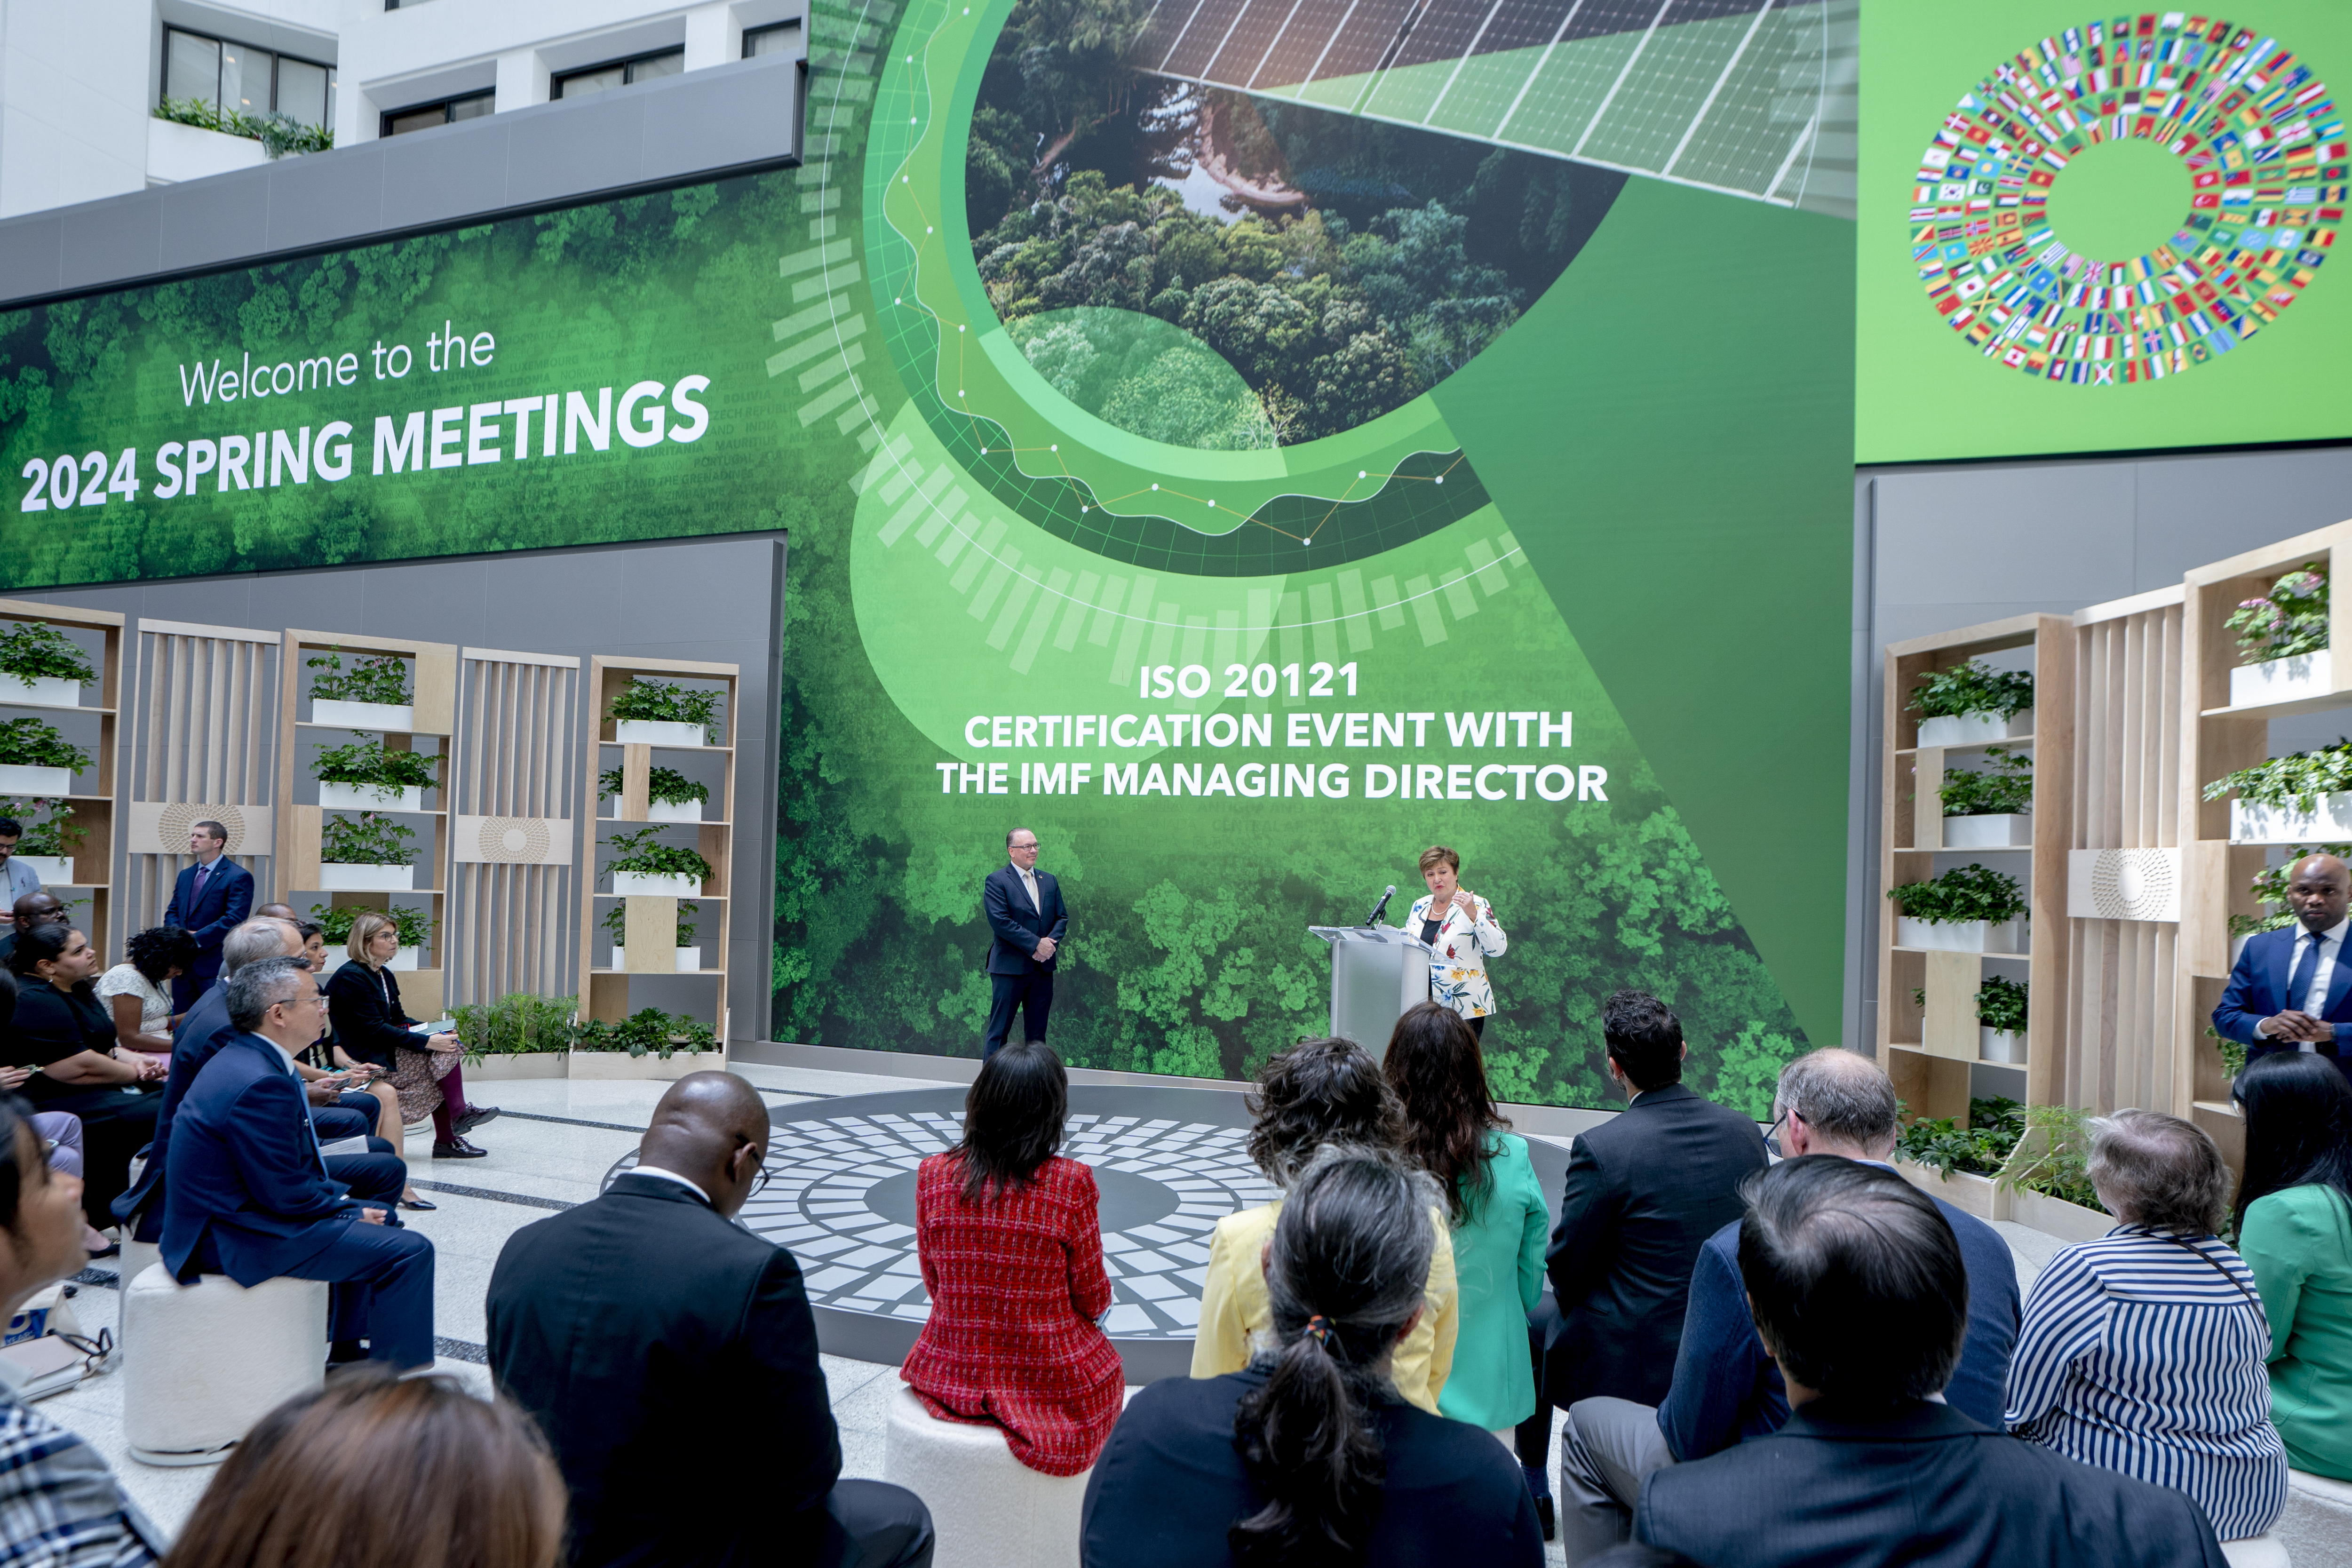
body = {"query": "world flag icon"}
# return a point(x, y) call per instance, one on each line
point(2262, 145)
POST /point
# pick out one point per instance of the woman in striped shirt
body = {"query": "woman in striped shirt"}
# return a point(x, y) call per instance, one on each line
point(2143, 1351)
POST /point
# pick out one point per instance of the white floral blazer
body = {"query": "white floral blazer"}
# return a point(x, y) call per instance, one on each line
point(1457, 975)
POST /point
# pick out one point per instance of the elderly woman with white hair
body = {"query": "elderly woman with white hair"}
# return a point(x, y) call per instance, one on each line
point(2143, 1351)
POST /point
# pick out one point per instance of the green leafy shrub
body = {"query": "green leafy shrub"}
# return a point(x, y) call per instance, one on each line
point(2297, 779)
point(335, 923)
point(369, 839)
point(666, 703)
point(2270, 886)
point(1969, 892)
point(2052, 1153)
point(663, 786)
point(35, 650)
point(2000, 1004)
point(372, 764)
point(2007, 786)
point(49, 827)
point(638, 852)
point(616, 922)
point(30, 743)
point(518, 1024)
point(2234, 1052)
point(646, 1032)
point(373, 678)
point(278, 133)
point(1979, 1149)
point(1972, 688)
point(2291, 619)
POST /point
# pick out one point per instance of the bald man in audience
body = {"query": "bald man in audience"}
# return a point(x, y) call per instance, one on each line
point(36, 908)
point(2291, 989)
point(627, 1325)
point(277, 912)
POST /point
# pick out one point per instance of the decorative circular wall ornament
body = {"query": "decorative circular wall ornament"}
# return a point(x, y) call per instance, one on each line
point(2125, 884)
point(2261, 151)
point(175, 821)
point(512, 840)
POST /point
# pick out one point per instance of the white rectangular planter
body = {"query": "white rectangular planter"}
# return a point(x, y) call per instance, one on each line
point(519, 1064)
point(2000, 1046)
point(343, 879)
point(645, 885)
point(2010, 830)
point(1979, 1195)
point(656, 732)
point(2330, 822)
point(16, 778)
point(2056, 1216)
point(620, 1064)
point(2283, 679)
point(398, 718)
point(689, 959)
point(41, 692)
point(1974, 729)
point(674, 811)
point(1960, 936)
point(53, 870)
point(369, 798)
point(404, 959)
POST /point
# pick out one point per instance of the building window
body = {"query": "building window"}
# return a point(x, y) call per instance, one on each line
point(448, 111)
point(780, 38)
point(618, 73)
point(240, 78)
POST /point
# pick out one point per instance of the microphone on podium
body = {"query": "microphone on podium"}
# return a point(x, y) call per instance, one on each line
point(1379, 909)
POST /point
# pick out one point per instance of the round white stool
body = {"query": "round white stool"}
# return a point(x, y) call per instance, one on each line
point(2317, 1524)
point(2256, 1552)
point(989, 1510)
point(134, 1261)
point(213, 1358)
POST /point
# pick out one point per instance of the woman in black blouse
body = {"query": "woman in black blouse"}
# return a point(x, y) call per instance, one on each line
point(62, 1030)
point(363, 1001)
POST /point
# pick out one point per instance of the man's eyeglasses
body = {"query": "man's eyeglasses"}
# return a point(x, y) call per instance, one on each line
point(1772, 1135)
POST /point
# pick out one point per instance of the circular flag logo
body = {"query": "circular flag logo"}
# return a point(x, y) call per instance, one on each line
point(2127, 200)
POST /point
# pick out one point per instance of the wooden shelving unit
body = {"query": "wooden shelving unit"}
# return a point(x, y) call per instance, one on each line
point(433, 690)
point(652, 922)
point(1931, 1053)
point(93, 800)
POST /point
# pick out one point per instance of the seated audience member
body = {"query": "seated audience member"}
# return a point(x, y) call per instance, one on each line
point(137, 991)
point(2294, 1227)
point(1317, 1092)
point(1011, 1242)
point(1310, 1456)
point(59, 1132)
point(247, 1192)
point(1495, 1206)
point(363, 1001)
point(59, 1503)
point(2143, 1350)
point(63, 1033)
point(40, 908)
point(619, 1324)
point(1860, 1296)
point(309, 1485)
point(1725, 1388)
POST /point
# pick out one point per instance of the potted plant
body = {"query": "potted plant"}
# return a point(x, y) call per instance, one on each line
point(368, 854)
point(643, 867)
point(2289, 799)
point(41, 668)
point(2269, 885)
point(2284, 632)
point(1987, 809)
point(649, 1044)
point(690, 957)
point(49, 841)
point(517, 1035)
point(1972, 703)
point(335, 923)
point(367, 775)
point(1966, 910)
point(2048, 1180)
point(663, 713)
point(1962, 1164)
point(2000, 1021)
point(35, 759)
point(671, 795)
point(372, 694)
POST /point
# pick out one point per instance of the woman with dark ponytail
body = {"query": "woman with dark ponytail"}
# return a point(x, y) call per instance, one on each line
point(1309, 1457)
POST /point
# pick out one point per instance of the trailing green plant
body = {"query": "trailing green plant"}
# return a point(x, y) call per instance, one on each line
point(335, 923)
point(2000, 1004)
point(2291, 619)
point(2053, 1155)
point(649, 1031)
point(616, 922)
point(35, 650)
point(55, 833)
point(373, 678)
point(1972, 688)
point(371, 764)
point(2005, 787)
point(666, 703)
point(2234, 1052)
point(371, 838)
point(1979, 1149)
point(278, 134)
point(641, 853)
point(663, 786)
point(29, 744)
point(1969, 892)
point(2270, 886)
point(2298, 779)
point(518, 1024)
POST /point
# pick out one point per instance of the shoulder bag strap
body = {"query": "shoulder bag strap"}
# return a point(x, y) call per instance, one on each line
point(2252, 1300)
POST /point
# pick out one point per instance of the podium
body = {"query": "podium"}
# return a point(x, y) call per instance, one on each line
point(1377, 972)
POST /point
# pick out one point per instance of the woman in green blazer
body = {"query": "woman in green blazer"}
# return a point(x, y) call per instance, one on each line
point(1500, 1222)
point(2294, 1230)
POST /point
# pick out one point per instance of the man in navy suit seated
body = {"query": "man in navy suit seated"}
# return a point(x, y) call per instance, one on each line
point(2291, 989)
point(1023, 905)
point(211, 899)
point(247, 1193)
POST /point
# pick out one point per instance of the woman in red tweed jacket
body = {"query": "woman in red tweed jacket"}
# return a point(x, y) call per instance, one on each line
point(1012, 1253)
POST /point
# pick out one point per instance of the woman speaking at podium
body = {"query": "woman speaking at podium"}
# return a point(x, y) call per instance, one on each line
point(1460, 928)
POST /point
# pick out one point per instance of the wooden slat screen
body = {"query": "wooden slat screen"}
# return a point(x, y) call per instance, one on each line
point(202, 731)
point(512, 927)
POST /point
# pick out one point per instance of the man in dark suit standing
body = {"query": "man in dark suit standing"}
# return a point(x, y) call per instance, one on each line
point(625, 1322)
point(2291, 989)
point(1023, 905)
point(1861, 1295)
point(211, 899)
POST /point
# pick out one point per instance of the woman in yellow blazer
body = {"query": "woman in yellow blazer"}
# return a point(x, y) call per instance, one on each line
point(1318, 1093)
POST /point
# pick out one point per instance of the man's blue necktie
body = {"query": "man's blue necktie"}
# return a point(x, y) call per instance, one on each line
point(2298, 984)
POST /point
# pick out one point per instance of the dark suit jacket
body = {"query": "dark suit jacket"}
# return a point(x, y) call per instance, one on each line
point(227, 900)
point(2258, 987)
point(1644, 1189)
point(246, 1191)
point(631, 1324)
point(1017, 927)
point(1926, 1488)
